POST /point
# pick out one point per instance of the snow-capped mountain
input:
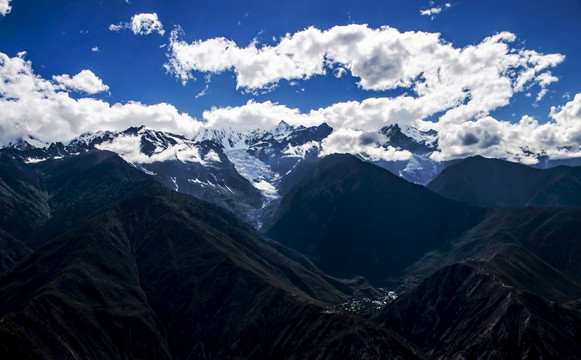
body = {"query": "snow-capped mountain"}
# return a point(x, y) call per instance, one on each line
point(264, 158)
point(241, 171)
point(419, 168)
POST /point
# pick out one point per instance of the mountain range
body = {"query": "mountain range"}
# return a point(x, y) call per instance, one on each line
point(144, 244)
point(493, 182)
point(241, 171)
point(141, 271)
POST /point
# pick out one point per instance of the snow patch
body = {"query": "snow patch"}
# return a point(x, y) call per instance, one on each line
point(212, 156)
point(148, 172)
point(174, 181)
point(34, 160)
point(267, 189)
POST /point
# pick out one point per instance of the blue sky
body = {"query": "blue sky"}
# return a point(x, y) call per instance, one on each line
point(146, 68)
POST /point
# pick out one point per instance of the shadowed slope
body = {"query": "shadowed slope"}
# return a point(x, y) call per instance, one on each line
point(352, 217)
point(476, 310)
point(158, 274)
point(493, 182)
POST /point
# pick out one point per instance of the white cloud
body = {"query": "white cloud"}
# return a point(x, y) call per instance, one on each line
point(254, 115)
point(544, 80)
point(483, 76)
point(203, 92)
point(141, 24)
point(431, 12)
point(129, 148)
point(5, 7)
point(145, 24)
point(85, 81)
point(95, 49)
point(339, 72)
point(521, 141)
point(119, 27)
point(456, 87)
point(355, 122)
point(357, 142)
point(30, 104)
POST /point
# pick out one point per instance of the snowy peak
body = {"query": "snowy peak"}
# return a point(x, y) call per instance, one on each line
point(27, 143)
point(303, 135)
point(239, 170)
point(411, 139)
point(282, 130)
point(228, 137)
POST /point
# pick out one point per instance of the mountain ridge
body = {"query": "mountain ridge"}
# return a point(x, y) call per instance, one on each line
point(494, 182)
point(159, 274)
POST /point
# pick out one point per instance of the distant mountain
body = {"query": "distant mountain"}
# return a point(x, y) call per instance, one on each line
point(247, 172)
point(489, 310)
point(150, 273)
point(352, 217)
point(493, 182)
point(419, 168)
point(238, 171)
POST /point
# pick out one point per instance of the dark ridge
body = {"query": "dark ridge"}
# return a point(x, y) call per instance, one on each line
point(162, 275)
point(493, 182)
point(467, 311)
point(352, 217)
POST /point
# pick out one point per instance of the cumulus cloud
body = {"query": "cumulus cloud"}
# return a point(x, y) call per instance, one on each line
point(254, 115)
point(145, 24)
point(129, 148)
point(544, 80)
point(367, 145)
point(522, 141)
point(5, 7)
point(30, 104)
point(452, 90)
point(85, 81)
point(141, 24)
point(356, 124)
point(482, 77)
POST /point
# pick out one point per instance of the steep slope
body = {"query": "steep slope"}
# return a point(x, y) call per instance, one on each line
point(158, 274)
point(24, 205)
point(352, 217)
point(78, 187)
point(22, 208)
point(197, 168)
point(478, 310)
point(493, 182)
point(552, 234)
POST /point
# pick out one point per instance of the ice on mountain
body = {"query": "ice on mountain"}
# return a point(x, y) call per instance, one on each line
point(212, 156)
point(282, 130)
point(267, 189)
point(34, 160)
point(174, 181)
